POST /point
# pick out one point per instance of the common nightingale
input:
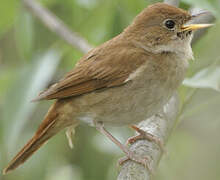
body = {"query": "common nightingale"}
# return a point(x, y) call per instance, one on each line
point(121, 82)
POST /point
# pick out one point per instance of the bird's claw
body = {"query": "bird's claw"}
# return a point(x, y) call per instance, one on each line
point(145, 135)
point(130, 156)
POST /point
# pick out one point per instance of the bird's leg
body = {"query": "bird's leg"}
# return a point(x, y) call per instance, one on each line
point(145, 135)
point(70, 132)
point(130, 155)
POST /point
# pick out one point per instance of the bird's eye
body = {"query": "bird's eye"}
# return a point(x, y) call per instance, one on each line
point(170, 24)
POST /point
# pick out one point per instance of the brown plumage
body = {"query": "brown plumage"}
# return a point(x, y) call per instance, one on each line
point(90, 74)
point(123, 81)
point(98, 69)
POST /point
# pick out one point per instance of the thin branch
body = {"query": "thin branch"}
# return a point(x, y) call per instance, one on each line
point(56, 25)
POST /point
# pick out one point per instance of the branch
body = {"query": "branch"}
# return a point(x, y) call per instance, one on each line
point(159, 125)
point(56, 25)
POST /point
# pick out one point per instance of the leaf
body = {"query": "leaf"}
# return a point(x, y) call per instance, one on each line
point(28, 85)
point(206, 78)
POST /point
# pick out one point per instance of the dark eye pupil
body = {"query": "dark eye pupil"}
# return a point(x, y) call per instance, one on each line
point(170, 24)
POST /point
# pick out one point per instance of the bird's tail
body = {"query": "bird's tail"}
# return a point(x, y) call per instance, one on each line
point(48, 128)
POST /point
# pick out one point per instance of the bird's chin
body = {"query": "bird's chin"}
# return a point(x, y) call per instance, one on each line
point(178, 45)
point(182, 45)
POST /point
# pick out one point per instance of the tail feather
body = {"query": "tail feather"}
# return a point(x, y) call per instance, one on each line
point(45, 131)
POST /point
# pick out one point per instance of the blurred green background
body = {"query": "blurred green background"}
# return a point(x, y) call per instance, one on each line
point(32, 57)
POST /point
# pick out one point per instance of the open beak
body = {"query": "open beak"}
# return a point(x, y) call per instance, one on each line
point(192, 27)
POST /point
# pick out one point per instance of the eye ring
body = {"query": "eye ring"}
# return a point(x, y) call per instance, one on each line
point(169, 24)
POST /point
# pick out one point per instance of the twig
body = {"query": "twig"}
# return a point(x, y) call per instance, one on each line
point(56, 25)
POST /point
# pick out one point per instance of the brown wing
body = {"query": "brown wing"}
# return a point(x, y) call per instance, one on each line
point(106, 66)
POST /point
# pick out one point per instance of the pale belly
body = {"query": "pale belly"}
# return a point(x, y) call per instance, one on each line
point(120, 107)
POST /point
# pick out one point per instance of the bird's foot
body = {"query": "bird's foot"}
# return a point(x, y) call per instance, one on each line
point(131, 156)
point(145, 135)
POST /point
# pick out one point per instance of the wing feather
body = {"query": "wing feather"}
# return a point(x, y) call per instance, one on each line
point(98, 69)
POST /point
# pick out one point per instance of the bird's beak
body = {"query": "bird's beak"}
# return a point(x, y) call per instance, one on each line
point(192, 27)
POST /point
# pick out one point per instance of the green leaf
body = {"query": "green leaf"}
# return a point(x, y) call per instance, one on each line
point(206, 78)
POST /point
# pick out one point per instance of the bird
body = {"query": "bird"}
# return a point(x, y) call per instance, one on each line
point(121, 82)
